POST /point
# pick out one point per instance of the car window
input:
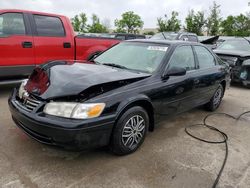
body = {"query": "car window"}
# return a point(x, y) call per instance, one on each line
point(122, 37)
point(205, 58)
point(235, 44)
point(49, 26)
point(12, 24)
point(192, 38)
point(184, 37)
point(183, 57)
point(130, 37)
point(158, 36)
point(140, 37)
point(144, 57)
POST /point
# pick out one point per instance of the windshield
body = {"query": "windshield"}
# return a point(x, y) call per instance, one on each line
point(239, 45)
point(143, 57)
point(165, 36)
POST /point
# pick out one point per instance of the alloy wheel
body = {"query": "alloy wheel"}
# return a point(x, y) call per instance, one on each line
point(133, 131)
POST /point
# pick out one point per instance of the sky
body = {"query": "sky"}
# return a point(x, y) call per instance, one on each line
point(112, 9)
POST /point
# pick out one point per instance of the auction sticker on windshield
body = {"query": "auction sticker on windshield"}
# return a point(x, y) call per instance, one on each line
point(158, 48)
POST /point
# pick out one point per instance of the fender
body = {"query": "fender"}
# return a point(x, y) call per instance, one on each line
point(139, 98)
point(123, 105)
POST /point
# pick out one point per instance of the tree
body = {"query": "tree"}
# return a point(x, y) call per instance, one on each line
point(172, 24)
point(214, 19)
point(242, 27)
point(96, 26)
point(130, 23)
point(149, 33)
point(227, 26)
point(79, 22)
point(195, 22)
point(236, 26)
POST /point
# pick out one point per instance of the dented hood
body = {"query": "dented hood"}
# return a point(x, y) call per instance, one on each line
point(232, 53)
point(70, 79)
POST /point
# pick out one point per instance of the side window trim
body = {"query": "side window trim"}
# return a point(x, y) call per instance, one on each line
point(34, 28)
point(27, 24)
point(197, 66)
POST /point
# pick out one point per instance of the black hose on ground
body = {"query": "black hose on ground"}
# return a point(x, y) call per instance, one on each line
point(224, 138)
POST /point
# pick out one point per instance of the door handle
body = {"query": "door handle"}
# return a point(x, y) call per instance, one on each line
point(66, 45)
point(27, 44)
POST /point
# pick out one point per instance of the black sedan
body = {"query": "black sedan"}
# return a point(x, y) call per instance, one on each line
point(236, 52)
point(119, 96)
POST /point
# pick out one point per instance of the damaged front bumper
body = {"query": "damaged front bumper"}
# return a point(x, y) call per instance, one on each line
point(63, 132)
point(241, 74)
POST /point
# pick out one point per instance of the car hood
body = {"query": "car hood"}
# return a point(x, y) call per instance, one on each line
point(232, 53)
point(74, 79)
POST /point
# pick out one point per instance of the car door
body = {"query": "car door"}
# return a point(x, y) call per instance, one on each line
point(177, 92)
point(16, 45)
point(52, 42)
point(208, 75)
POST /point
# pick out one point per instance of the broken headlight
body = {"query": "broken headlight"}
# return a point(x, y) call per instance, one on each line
point(246, 62)
point(232, 61)
point(21, 90)
point(74, 110)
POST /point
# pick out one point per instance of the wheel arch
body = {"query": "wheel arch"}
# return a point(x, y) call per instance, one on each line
point(145, 103)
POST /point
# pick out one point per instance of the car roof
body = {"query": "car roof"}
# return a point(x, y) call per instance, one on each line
point(166, 42)
point(29, 11)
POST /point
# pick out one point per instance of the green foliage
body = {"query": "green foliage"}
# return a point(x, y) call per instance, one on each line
point(172, 24)
point(130, 23)
point(96, 26)
point(236, 26)
point(214, 20)
point(149, 33)
point(79, 23)
point(195, 22)
point(227, 26)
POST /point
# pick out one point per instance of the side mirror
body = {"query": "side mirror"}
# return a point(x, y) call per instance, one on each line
point(174, 71)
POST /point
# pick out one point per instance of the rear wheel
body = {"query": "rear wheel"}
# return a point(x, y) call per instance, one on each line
point(215, 101)
point(130, 131)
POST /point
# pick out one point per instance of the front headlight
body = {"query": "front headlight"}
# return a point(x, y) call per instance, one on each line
point(74, 110)
point(232, 61)
point(21, 90)
point(246, 62)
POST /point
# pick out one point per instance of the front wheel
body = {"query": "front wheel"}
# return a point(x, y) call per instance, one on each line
point(130, 131)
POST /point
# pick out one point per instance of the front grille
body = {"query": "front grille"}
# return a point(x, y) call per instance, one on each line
point(30, 103)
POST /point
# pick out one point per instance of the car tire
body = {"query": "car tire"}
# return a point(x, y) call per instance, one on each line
point(215, 101)
point(130, 131)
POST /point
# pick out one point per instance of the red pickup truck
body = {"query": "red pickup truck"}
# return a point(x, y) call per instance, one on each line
point(29, 38)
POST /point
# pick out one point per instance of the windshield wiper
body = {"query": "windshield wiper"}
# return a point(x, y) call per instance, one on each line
point(115, 65)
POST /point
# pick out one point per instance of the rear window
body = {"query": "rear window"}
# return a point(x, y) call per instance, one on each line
point(12, 24)
point(192, 38)
point(49, 26)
